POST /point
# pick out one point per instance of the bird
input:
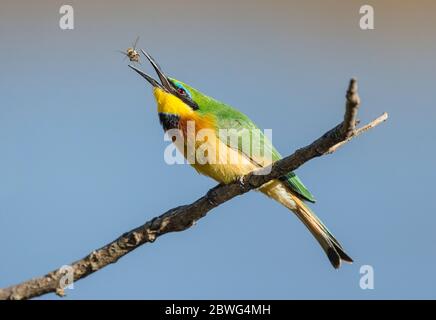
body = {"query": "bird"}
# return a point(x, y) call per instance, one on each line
point(179, 104)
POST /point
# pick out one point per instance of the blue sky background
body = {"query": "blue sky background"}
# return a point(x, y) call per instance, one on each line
point(81, 149)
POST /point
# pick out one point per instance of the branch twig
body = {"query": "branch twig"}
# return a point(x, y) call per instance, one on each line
point(183, 217)
point(351, 107)
point(359, 131)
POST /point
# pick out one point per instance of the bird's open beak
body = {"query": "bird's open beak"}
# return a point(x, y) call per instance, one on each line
point(165, 83)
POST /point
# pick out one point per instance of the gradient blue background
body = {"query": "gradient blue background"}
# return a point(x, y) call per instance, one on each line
point(81, 150)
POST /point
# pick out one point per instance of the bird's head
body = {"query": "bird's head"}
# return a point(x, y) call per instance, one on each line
point(175, 100)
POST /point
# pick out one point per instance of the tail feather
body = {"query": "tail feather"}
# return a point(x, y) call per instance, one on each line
point(328, 242)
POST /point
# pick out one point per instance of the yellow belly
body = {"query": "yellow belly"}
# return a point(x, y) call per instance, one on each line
point(222, 164)
point(213, 158)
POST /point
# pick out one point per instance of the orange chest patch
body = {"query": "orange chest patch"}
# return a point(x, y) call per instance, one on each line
point(195, 123)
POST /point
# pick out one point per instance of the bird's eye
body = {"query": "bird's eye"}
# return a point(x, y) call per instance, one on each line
point(181, 91)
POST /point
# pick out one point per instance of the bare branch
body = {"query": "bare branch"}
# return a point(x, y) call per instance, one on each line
point(351, 107)
point(359, 131)
point(183, 217)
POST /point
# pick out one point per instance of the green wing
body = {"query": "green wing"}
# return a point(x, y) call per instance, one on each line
point(297, 185)
point(230, 118)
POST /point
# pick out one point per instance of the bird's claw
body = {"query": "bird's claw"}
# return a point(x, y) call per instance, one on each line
point(210, 198)
point(241, 180)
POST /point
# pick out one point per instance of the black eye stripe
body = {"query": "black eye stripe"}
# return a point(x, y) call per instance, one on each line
point(182, 94)
point(189, 102)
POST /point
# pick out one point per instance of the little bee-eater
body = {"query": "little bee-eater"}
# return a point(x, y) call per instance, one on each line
point(178, 104)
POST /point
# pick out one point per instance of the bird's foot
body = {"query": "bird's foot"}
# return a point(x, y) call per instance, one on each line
point(241, 180)
point(211, 195)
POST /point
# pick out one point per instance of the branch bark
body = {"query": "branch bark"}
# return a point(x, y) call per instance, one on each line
point(183, 217)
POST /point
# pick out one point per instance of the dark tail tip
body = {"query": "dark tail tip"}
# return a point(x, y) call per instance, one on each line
point(334, 258)
point(343, 255)
point(337, 254)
